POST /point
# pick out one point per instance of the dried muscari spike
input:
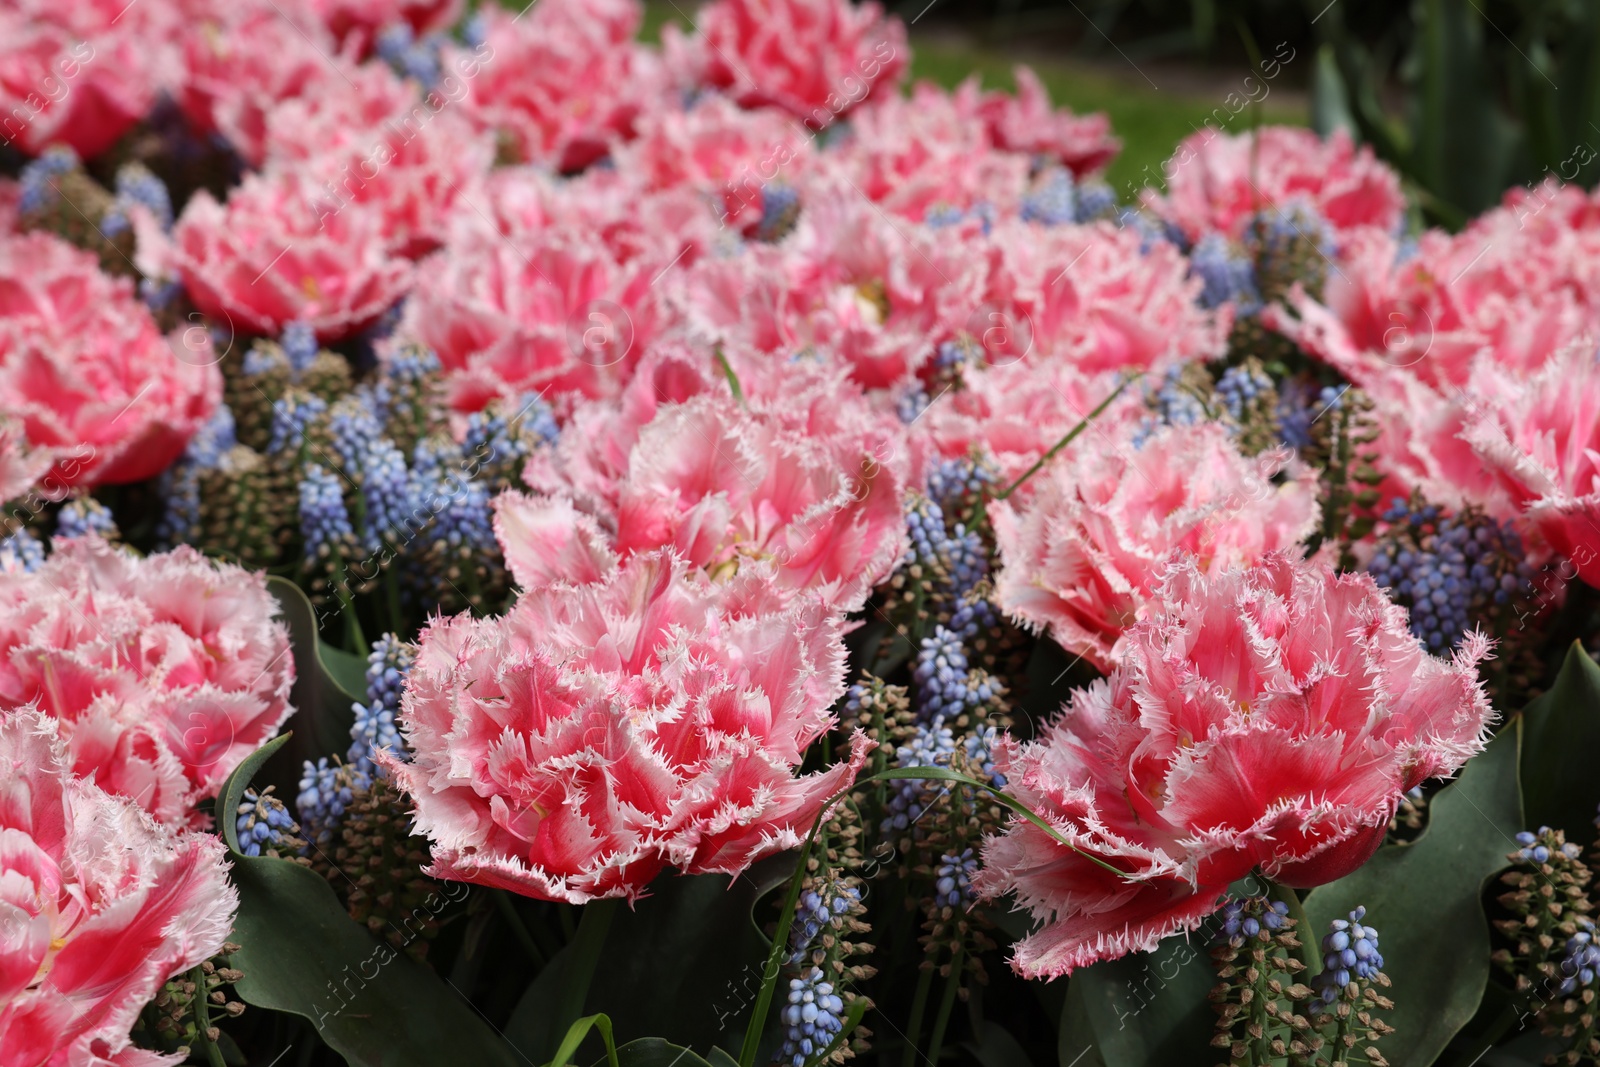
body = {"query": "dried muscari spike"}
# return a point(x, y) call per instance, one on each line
point(169, 1023)
point(180, 485)
point(1547, 896)
point(407, 391)
point(1342, 445)
point(245, 504)
point(1184, 396)
point(499, 439)
point(1292, 244)
point(1227, 274)
point(375, 865)
point(1259, 988)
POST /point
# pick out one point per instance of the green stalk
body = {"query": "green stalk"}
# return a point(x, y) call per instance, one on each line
point(1297, 912)
point(947, 1003)
point(919, 1008)
point(508, 911)
point(202, 1019)
point(1072, 435)
point(582, 960)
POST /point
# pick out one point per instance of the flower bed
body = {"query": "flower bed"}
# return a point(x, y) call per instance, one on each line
point(526, 546)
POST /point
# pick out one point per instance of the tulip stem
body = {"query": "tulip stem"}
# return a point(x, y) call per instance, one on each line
point(1072, 435)
point(947, 1003)
point(202, 1019)
point(1302, 927)
point(508, 911)
point(582, 960)
point(919, 1008)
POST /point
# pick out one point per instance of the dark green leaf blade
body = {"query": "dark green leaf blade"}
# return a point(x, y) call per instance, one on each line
point(1148, 1007)
point(1561, 735)
point(1424, 901)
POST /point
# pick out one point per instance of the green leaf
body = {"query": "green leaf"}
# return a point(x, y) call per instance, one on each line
point(301, 953)
point(654, 1052)
point(1148, 1007)
point(1560, 737)
point(1424, 900)
point(580, 1030)
point(327, 682)
point(1075, 1041)
point(996, 1047)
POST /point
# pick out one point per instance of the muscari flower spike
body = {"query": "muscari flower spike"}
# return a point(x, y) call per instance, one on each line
point(264, 824)
point(21, 550)
point(812, 1017)
point(85, 516)
point(931, 745)
point(374, 728)
point(137, 186)
point(299, 342)
point(38, 179)
point(324, 521)
point(1580, 966)
point(1226, 274)
point(780, 210)
point(1053, 200)
point(953, 879)
point(1349, 952)
point(1244, 919)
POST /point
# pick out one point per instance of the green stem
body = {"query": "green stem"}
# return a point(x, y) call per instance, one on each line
point(919, 1008)
point(1072, 435)
point(391, 585)
point(947, 1003)
point(508, 911)
point(352, 625)
point(202, 1019)
point(1302, 927)
point(582, 959)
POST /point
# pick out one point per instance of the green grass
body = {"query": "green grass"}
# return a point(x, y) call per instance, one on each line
point(1149, 121)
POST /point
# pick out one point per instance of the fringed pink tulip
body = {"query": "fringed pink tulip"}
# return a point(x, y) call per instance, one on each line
point(1266, 718)
point(85, 372)
point(1082, 559)
point(164, 671)
point(600, 733)
point(99, 906)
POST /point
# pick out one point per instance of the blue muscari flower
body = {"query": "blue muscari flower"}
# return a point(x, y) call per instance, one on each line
point(466, 519)
point(299, 343)
point(137, 186)
point(1174, 406)
point(1300, 405)
point(474, 30)
point(812, 1016)
point(1095, 199)
point(537, 417)
point(326, 792)
point(1151, 232)
point(1243, 919)
point(385, 492)
point(911, 404)
point(1053, 200)
point(157, 293)
point(396, 45)
point(945, 685)
point(1535, 850)
point(1226, 273)
point(403, 373)
point(323, 517)
point(1448, 569)
point(1240, 386)
point(355, 431)
point(180, 484)
point(1581, 964)
point(85, 516)
point(291, 416)
point(374, 728)
point(930, 746)
point(952, 887)
point(815, 910)
point(951, 481)
point(940, 216)
point(980, 755)
point(779, 205)
point(264, 822)
point(38, 178)
point(1277, 228)
point(23, 547)
point(1349, 952)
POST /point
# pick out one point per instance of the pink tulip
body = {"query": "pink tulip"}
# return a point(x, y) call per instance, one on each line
point(599, 733)
point(99, 907)
point(1266, 718)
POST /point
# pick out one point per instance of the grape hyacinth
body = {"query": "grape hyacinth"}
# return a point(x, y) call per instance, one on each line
point(374, 728)
point(39, 178)
point(292, 417)
point(953, 879)
point(1453, 572)
point(815, 911)
point(1300, 405)
point(299, 342)
point(1349, 952)
point(1580, 967)
point(1053, 200)
point(1226, 274)
point(85, 516)
point(136, 186)
point(780, 210)
point(326, 793)
point(21, 551)
point(931, 745)
point(324, 521)
point(946, 686)
point(1096, 200)
point(264, 824)
point(1244, 919)
point(397, 45)
point(1240, 386)
point(1174, 403)
point(812, 1016)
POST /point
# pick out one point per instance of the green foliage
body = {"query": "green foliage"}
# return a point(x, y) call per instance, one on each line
point(1561, 734)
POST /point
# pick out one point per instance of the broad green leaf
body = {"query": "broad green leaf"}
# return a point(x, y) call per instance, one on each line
point(301, 953)
point(1424, 901)
point(1145, 1008)
point(1561, 736)
point(327, 682)
point(1075, 1040)
point(996, 1047)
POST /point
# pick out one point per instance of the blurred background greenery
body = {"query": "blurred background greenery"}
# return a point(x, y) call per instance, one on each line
point(1464, 97)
